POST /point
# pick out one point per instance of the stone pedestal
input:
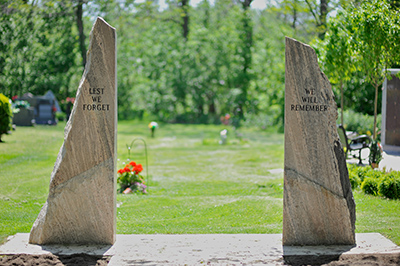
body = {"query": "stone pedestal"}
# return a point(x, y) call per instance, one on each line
point(318, 204)
point(81, 206)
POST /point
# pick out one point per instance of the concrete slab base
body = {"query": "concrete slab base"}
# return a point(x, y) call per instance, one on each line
point(214, 249)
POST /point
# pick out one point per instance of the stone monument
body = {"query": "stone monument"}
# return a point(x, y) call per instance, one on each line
point(81, 206)
point(318, 204)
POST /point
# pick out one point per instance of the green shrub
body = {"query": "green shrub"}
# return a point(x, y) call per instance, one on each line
point(360, 123)
point(375, 182)
point(354, 180)
point(5, 115)
point(370, 185)
point(61, 116)
point(389, 186)
point(361, 172)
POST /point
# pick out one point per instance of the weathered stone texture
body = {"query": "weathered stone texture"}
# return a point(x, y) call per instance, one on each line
point(81, 206)
point(318, 204)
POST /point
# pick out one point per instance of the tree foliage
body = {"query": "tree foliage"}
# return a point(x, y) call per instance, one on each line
point(364, 39)
point(185, 63)
point(37, 46)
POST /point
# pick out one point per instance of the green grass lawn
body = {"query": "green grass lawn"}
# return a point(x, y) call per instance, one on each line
point(195, 184)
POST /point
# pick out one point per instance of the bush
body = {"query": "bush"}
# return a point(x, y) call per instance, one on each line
point(370, 186)
point(360, 123)
point(5, 115)
point(360, 171)
point(355, 181)
point(61, 116)
point(375, 182)
point(389, 187)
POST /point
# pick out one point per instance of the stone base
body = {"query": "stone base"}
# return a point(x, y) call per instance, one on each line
point(252, 249)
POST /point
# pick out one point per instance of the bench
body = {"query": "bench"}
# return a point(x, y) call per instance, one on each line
point(357, 143)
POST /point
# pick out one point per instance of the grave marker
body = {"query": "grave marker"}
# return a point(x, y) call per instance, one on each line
point(318, 204)
point(81, 206)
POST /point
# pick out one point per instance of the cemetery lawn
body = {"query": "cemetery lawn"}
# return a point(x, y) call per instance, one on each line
point(196, 186)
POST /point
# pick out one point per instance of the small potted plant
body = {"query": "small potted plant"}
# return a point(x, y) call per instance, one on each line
point(130, 180)
point(375, 154)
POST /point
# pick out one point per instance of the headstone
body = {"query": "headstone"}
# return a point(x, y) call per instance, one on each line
point(81, 206)
point(318, 204)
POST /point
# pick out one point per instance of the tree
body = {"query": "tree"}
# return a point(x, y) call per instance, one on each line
point(184, 4)
point(39, 47)
point(246, 43)
point(376, 42)
point(339, 64)
point(319, 12)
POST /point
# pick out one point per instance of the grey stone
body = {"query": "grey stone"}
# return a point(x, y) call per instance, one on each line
point(318, 204)
point(81, 206)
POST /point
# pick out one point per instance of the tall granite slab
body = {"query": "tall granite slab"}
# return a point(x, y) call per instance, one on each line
point(318, 204)
point(81, 206)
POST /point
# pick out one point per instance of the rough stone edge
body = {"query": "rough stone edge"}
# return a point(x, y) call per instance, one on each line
point(40, 220)
point(338, 149)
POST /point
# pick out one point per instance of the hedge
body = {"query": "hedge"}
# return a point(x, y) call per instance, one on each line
point(5, 115)
point(375, 182)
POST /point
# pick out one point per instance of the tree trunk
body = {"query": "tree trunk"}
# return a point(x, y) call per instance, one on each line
point(294, 14)
point(247, 42)
point(341, 102)
point(375, 109)
point(323, 8)
point(185, 18)
point(79, 22)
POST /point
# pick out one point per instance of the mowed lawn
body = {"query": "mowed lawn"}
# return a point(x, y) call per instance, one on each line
point(196, 185)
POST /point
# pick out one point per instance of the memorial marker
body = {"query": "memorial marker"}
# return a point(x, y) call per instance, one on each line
point(81, 206)
point(318, 204)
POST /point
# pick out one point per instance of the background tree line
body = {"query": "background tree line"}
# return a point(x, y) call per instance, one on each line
point(184, 63)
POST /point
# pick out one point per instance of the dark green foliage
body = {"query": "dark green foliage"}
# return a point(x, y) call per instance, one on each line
point(5, 115)
point(389, 186)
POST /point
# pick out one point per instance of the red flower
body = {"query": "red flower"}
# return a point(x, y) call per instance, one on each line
point(138, 168)
point(132, 163)
point(126, 169)
point(121, 171)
